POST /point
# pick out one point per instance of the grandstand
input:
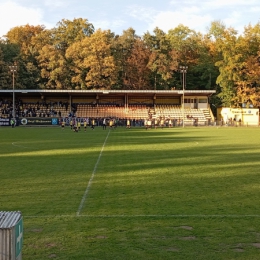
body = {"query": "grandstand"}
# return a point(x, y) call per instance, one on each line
point(138, 105)
point(142, 112)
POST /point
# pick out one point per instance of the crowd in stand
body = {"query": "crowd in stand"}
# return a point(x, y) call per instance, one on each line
point(147, 118)
point(38, 109)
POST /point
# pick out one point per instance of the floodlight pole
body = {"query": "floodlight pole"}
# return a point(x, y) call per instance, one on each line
point(13, 69)
point(183, 70)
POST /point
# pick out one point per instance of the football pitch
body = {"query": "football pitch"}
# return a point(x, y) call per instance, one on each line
point(178, 193)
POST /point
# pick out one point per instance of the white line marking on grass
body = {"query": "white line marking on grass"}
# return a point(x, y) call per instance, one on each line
point(170, 216)
point(50, 216)
point(91, 178)
point(145, 216)
point(17, 145)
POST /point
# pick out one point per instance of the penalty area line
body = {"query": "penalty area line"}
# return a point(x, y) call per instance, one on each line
point(92, 177)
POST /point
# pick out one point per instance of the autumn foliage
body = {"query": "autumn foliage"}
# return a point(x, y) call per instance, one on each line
point(74, 55)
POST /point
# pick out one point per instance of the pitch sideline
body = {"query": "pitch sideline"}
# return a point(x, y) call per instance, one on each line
point(147, 216)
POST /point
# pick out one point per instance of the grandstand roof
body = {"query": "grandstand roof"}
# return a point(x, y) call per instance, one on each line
point(55, 92)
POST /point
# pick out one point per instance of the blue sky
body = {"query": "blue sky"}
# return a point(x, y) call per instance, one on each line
point(141, 15)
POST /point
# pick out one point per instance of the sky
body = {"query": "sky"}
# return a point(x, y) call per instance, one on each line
point(141, 15)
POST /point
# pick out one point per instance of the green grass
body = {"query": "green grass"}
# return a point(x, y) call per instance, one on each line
point(177, 193)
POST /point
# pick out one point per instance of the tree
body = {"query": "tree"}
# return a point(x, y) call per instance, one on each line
point(9, 53)
point(92, 58)
point(180, 40)
point(121, 50)
point(22, 37)
point(246, 95)
point(239, 66)
point(4, 76)
point(56, 68)
point(68, 32)
point(163, 58)
point(248, 84)
point(194, 51)
point(137, 71)
point(230, 62)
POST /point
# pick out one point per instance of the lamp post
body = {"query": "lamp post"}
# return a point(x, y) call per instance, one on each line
point(183, 70)
point(13, 69)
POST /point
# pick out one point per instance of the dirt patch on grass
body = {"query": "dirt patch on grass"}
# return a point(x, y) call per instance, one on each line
point(257, 245)
point(173, 249)
point(52, 256)
point(97, 237)
point(50, 245)
point(101, 237)
point(186, 227)
point(188, 238)
point(239, 250)
point(35, 230)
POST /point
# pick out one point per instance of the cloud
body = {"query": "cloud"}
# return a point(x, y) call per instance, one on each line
point(254, 9)
point(141, 13)
point(213, 4)
point(169, 20)
point(12, 15)
point(54, 4)
point(187, 15)
point(106, 24)
point(198, 15)
point(233, 18)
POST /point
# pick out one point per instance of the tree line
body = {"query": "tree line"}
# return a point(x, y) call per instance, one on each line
point(73, 55)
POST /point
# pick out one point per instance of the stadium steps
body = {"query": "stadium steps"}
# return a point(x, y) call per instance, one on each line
point(206, 113)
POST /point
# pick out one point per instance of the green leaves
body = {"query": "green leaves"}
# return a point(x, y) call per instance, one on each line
point(73, 55)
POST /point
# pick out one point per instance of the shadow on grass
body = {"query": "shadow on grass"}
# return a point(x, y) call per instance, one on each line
point(170, 171)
